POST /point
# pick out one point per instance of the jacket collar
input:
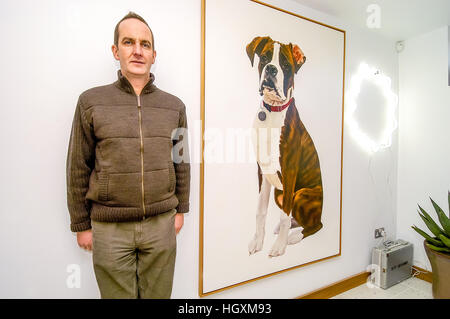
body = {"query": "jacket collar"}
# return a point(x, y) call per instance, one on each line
point(125, 85)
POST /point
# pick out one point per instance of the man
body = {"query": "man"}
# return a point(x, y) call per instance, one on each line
point(127, 187)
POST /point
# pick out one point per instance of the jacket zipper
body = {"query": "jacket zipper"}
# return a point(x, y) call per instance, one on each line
point(142, 154)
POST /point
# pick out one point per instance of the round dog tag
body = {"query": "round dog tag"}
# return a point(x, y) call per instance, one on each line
point(262, 116)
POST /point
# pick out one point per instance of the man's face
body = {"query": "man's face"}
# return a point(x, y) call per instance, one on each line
point(135, 48)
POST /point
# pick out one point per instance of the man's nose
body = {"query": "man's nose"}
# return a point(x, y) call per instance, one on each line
point(137, 49)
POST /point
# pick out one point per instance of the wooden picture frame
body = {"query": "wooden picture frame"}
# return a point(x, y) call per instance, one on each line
point(229, 99)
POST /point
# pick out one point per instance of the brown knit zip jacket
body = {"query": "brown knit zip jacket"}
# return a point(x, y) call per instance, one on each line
point(119, 161)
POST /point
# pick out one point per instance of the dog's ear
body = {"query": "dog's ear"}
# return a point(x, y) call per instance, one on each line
point(299, 57)
point(256, 46)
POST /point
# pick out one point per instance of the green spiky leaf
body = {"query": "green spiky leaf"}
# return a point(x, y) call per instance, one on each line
point(431, 224)
point(445, 240)
point(430, 239)
point(441, 249)
point(443, 219)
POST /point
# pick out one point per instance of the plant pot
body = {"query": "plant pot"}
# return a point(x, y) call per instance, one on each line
point(440, 264)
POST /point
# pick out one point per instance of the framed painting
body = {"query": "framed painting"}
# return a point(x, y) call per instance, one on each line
point(272, 99)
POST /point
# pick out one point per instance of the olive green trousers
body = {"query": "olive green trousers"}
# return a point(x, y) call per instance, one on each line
point(135, 259)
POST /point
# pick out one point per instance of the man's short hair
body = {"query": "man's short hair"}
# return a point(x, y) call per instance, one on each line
point(132, 15)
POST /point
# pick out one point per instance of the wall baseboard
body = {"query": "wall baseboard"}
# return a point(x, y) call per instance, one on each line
point(355, 281)
point(337, 287)
point(423, 274)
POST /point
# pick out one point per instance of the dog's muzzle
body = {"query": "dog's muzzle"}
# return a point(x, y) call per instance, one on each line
point(269, 80)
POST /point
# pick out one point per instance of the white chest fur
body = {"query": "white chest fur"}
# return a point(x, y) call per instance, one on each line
point(266, 143)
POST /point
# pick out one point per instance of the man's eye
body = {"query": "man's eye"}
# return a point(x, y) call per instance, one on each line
point(146, 45)
point(127, 42)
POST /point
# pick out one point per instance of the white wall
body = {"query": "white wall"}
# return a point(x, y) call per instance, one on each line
point(52, 51)
point(424, 131)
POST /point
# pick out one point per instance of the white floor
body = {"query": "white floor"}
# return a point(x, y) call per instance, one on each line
point(411, 288)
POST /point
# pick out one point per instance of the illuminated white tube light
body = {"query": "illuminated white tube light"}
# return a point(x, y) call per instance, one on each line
point(367, 73)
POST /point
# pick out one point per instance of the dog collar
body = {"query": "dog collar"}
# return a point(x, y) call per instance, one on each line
point(279, 108)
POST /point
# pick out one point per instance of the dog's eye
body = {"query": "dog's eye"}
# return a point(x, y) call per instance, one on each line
point(263, 59)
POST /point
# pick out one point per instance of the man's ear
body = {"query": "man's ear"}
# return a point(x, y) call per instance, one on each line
point(299, 57)
point(115, 52)
point(256, 46)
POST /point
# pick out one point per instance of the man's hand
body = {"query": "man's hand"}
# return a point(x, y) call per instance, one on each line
point(84, 239)
point(179, 221)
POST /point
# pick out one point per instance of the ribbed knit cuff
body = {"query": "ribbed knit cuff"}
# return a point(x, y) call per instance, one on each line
point(81, 226)
point(183, 208)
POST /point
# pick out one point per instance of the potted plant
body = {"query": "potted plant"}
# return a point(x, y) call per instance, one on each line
point(438, 249)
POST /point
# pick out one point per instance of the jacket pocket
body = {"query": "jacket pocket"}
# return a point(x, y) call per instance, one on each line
point(157, 185)
point(98, 187)
point(103, 187)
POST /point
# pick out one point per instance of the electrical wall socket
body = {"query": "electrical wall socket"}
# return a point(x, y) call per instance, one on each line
point(379, 232)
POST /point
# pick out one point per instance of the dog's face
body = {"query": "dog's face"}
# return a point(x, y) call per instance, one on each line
point(278, 63)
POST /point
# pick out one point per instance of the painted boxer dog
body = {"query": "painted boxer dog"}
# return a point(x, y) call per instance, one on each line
point(286, 156)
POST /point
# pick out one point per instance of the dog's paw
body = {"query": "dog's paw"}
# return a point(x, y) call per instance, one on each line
point(295, 236)
point(279, 247)
point(255, 244)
